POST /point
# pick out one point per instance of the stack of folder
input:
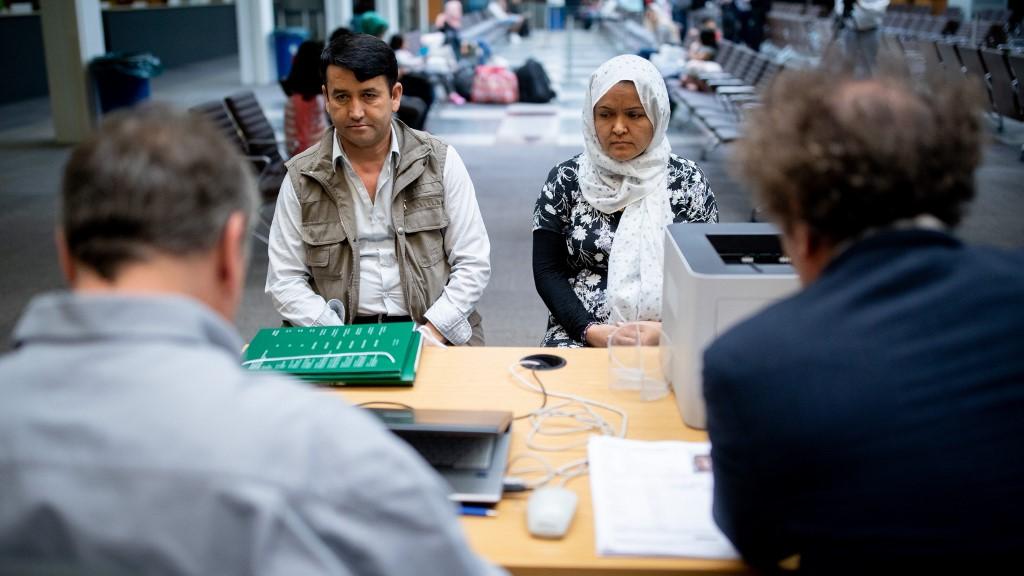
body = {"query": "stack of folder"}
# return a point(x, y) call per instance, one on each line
point(358, 355)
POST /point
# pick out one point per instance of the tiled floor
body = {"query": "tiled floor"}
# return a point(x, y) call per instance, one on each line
point(507, 149)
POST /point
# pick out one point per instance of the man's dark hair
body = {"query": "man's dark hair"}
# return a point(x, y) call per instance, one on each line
point(844, 155)
point(396, 42)
point(151, 180)
point(340, 32)
point(366, 56)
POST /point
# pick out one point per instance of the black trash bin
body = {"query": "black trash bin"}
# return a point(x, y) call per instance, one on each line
point(122, 78)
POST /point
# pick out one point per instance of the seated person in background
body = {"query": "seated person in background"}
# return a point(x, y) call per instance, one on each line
point(705, 35)
point(305, 117)
point(377, 222)
point(658, 20)
point(516, 8)
point(598, 225)
point(360, 8)
point(407, 61)
point(498, 9)
point(588, 13)
point(132, 442)
point(449, 23)
point(707, 38)
point(701, 62)
point(416, 86)
point(373, 24)
point(872, 422)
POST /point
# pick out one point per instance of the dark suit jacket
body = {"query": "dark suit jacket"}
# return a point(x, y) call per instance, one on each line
point(876, 419)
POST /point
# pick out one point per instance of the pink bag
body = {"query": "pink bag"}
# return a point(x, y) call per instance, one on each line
point(495, 84)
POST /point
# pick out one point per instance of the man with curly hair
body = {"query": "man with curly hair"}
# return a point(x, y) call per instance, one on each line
point(873, 421)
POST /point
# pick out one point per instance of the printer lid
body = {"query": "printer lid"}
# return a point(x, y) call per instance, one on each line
point(742, 248)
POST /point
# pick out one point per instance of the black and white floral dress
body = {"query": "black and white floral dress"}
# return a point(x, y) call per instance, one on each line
point(589, 233)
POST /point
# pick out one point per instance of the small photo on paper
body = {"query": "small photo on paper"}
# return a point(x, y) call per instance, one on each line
point(702, 463)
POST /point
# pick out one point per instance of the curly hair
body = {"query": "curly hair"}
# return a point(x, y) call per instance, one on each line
point(844, 155)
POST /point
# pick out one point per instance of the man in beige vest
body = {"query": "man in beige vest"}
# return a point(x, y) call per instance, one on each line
point(378, 222)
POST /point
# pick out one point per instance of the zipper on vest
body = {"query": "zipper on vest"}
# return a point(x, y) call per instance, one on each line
point(353, 299)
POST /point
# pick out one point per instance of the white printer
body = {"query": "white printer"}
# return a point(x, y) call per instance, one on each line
point(715, 276)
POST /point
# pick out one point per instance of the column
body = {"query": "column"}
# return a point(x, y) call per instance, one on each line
point(965, 5)
point(255, 22)
point(424, 24)
point(72, 35)
point(336, 13)
point(389, 10)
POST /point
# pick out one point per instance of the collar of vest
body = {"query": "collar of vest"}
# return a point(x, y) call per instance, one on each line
point(413, 147)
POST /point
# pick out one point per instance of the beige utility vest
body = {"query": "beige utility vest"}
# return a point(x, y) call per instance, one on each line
point(418, 216)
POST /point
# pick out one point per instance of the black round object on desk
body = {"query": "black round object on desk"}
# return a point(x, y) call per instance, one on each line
point(542, 362)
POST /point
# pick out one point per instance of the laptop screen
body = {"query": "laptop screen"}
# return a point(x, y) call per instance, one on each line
point(453, 421)
point(469, 448)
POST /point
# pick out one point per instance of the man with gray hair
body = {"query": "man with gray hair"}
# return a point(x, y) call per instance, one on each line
point(130, 439)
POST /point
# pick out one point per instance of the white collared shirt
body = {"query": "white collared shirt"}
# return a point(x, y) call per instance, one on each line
point(466, 245)
point(380, 288)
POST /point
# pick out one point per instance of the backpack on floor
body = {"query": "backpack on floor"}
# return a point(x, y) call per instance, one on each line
point(495, 85)
point(462, 81)
point(534, 84)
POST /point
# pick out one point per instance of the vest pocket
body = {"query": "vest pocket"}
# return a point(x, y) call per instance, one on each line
point(427, 246)
point(323, 247)
point(318, 258)
point(425, 221)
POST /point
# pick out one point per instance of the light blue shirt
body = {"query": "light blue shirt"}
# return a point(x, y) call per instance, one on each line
point(131, 441)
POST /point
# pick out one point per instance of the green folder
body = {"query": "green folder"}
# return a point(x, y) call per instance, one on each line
point(356, 355)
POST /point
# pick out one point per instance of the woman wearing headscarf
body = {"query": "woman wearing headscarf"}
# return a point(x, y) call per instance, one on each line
point(598, 225)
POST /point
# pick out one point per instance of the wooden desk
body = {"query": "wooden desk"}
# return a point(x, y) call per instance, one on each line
point(478, 378)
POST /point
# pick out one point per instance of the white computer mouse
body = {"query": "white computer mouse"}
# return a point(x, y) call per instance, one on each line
point(549, 512)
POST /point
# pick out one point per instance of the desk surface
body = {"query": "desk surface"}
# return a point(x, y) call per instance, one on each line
point(478, 378)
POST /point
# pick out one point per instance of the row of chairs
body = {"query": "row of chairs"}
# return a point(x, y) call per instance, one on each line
point(719, 113)
point(803, 34)
point(909, 9)
point(480, 25)
point(628, 35)
point(921, 23)
point(242, 120)
point(999, 73)
point(800, 8)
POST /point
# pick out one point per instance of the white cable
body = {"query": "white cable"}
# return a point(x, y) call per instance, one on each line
point(573, 469)
point(575, 409)
point(598, 421)
point(544, 467)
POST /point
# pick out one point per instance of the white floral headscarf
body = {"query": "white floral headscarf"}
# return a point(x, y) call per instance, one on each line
point(638, 186)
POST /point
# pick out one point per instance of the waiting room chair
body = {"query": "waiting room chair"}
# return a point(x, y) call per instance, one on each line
point(268, 175)
point(258, 134)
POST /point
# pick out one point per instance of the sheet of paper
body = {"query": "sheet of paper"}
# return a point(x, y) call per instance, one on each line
point(654, 499)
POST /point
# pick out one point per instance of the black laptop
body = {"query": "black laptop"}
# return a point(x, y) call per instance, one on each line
point(469, 448)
